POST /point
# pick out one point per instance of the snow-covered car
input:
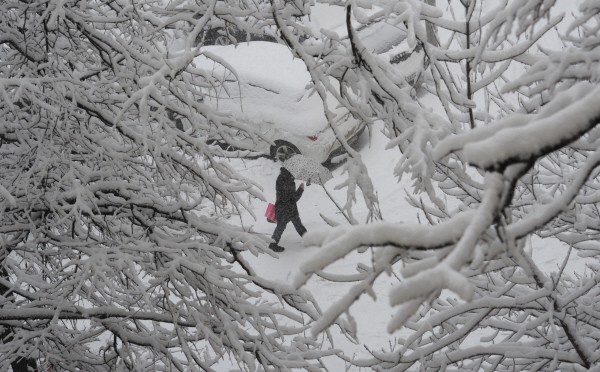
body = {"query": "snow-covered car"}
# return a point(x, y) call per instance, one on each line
point(387, 40)
point(269, 92)
point(227, 34)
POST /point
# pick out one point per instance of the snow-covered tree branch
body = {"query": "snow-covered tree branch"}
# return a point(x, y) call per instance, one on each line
point(113, 250)
point(515, 157)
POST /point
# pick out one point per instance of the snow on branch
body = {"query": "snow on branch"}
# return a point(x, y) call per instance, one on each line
point(340, 241)
point(114, 250)
point(522, 138)
point(517, 158)
point(537, 138)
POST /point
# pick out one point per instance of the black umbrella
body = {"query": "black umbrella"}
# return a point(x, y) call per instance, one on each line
point(306, 169)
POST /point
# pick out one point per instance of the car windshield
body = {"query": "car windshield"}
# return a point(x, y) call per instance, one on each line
point(378, 36)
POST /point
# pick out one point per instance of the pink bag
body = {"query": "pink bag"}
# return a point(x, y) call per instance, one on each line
point(270, 213)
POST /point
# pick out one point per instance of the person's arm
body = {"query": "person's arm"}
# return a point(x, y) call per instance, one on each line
point(299, 191)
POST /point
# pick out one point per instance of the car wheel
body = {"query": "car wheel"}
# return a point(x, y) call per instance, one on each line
point(283, 150)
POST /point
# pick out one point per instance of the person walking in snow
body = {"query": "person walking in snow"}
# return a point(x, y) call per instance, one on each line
point(285, 207)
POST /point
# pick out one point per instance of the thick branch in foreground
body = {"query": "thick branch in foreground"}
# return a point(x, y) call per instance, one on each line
point(538, 138)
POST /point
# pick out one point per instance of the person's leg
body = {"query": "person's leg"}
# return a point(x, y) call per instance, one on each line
point(298, 225)
point(281, 224)
point(279, 229)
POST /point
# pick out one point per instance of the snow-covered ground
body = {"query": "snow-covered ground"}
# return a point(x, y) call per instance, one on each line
point(371, 314)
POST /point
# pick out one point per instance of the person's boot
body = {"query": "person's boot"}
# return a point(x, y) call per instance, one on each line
point(275, 247)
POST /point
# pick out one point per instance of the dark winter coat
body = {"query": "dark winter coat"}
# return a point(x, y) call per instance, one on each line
point(287, 196)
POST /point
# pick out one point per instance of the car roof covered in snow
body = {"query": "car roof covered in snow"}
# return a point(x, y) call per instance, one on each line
point(269, 85)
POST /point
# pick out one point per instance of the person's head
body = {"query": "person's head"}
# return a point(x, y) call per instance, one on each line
point(284, 171)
